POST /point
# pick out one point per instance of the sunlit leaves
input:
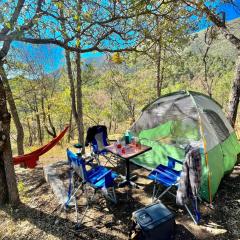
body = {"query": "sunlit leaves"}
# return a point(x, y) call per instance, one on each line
point(116, 58)
point(59, 5)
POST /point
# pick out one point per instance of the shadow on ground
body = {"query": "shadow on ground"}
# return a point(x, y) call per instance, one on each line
point(107, 221)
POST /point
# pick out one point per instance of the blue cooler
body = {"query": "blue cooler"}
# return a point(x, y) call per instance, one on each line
point(155, 222)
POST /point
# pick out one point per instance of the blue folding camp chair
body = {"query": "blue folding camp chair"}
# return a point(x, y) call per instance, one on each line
point(99, 178)
point(169, 177)
point(98, 139)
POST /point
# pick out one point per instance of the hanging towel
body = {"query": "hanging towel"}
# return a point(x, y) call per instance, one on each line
point(190, 177)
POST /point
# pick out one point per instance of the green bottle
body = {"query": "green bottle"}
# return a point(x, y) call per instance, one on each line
point(127, 137)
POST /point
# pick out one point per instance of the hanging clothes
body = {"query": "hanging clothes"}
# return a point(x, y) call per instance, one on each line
point(92, 131)
point(190, 178)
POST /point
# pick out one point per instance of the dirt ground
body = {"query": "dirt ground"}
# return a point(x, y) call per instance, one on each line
point(38, 216)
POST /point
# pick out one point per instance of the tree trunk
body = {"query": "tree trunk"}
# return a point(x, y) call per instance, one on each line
point(8, 184)
point(76, 103)
point(51, 132)
point(13, 109)
point(158, 62)
point(162, 70)
point(159, 57)
point(30, 138)
point(3, 183)
point(235, 94)
point(34, 129)
point(79, 102)
point(70, 128)
point(54, 133)
point(115, 126)
point(39, 129)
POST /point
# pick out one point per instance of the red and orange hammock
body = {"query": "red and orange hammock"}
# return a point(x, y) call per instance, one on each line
point(30, 159)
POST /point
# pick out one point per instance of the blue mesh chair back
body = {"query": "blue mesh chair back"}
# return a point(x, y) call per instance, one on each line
point(98, 176)
point(78, 164)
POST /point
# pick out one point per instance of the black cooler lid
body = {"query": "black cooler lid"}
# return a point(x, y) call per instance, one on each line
point(152, 215)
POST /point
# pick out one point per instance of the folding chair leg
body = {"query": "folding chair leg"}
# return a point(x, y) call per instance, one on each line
point(196, 211)
point(153, 194)
point(166, 190)
point(96, 156)
point(108, 160)
point(72, 194)
point(190, 214)
point(76, 210)
point(114, 196)
point(110, 194)
point(79, 223)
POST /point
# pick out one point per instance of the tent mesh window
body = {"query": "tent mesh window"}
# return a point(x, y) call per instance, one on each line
point(171, 122)
point(218, 125)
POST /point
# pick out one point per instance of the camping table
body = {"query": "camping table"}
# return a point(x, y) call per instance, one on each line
point(131, 152)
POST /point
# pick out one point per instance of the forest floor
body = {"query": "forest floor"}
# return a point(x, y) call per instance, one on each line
point(38, 217)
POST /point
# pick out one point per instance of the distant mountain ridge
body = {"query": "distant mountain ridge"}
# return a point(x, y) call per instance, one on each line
point(220, 47)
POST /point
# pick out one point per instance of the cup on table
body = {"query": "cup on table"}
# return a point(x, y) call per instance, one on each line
point(133, 141)
point(119, 145)
point(138, 144)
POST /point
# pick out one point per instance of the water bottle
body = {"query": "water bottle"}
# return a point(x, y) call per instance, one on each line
point(127, 137)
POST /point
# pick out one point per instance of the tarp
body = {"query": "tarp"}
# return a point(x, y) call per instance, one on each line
point(30, 159)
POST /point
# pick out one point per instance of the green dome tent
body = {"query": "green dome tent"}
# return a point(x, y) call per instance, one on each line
point(186, 117)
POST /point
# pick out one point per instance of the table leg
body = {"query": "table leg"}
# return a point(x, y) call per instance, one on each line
point(127, 170)
point(128, 180)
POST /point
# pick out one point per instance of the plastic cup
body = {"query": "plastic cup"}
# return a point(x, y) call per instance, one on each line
point(138, 145)
point(133, 142)
point(119, 145)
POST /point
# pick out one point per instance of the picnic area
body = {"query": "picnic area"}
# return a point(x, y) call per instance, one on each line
point(119, 119)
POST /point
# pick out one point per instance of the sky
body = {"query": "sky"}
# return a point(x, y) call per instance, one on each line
point(231, 12)
point(52, 57)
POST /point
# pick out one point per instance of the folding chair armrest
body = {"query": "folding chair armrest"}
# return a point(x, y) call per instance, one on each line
point(172, 161)
point(90, 162)
point(104, 175)
point(175, 160)
point(165, 174)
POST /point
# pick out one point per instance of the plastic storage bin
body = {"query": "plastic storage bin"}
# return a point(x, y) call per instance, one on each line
point(155, 222)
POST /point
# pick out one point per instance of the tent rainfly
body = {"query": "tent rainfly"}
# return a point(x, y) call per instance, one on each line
point(172, 121)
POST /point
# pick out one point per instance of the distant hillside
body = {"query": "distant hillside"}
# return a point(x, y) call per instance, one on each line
point(220, 47)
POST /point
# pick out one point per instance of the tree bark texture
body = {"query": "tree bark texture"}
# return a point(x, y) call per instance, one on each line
point(38, 120)
point(14, 112)
point(46, 117)
point(235, 94)
point(30, 138)
point(158, 63)
point(8, 185)
point(76, 95)
point(79, 101)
